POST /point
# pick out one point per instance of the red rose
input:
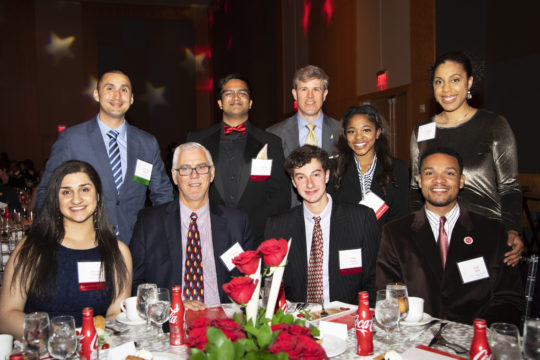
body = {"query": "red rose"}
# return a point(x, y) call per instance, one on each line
point(200, 322)
point(273, 251)
point(247, 262)
point(240, 289)
point(292, 329)
point(310, 349)
point(234, 335)
point(286, 343)
point(226, 325)
point(197, 338)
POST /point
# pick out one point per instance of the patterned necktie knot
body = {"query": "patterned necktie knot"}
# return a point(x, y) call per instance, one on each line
point(193, 216)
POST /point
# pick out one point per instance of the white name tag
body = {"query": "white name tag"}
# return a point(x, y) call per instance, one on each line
point(473, 270)
point(427, 131)
point(90, 275)
point(350, 261)
point(143, 172)
point(230, 254)
point(260, 169)
point(376, 203)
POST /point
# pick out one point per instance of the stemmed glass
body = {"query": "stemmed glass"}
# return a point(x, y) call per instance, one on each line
point(144, 293)
point(159, 308)
point(386, 312)
point(531, 339)
point(63, 340)
point(399, 292)
point(504, 341)
point(36, 332)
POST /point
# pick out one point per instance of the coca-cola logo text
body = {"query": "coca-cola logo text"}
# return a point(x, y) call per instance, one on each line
point(363, 326)
point(173, 315)
point(482, 355)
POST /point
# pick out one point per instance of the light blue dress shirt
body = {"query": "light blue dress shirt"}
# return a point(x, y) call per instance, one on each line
point(303, 130)
point(121, 140)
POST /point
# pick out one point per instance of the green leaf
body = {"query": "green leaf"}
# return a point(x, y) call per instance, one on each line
point(224, 348)
point(197, 354)
point(250, 329)
point(265, 336)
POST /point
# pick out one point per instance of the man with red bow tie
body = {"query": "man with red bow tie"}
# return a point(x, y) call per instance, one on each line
point(249, 161)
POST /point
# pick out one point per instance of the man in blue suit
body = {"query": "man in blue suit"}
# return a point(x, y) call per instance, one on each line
point(164, 246)
point(110, 145)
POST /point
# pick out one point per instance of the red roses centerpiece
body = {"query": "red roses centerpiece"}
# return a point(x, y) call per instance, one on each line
point(260, 334)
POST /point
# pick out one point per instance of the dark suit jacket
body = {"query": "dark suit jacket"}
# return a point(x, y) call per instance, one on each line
point(409, 254)
point(156, 246)
point(351, 227)
point(260, 199)
point(397, 198)
point(287, 130)
point(84, 142)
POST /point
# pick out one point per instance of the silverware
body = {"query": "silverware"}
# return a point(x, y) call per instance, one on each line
point(456, 347)
point(434, 340)
point(323, 312)
point(426, 326)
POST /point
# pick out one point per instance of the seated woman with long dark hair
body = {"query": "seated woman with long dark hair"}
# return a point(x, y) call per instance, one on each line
point(364, 165)
point(70, 259)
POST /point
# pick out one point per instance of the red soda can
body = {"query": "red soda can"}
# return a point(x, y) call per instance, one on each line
point(480, 349)
point(176, 318)
point(363, 325)
point(89, 341)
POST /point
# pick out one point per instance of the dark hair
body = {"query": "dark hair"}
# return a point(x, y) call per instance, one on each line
point(382, 148)
point(237, 76)
point(310, 72)
point(472, 68)
point(35, 265)
point(111, 71)
point(303, 155)
point(441, 150)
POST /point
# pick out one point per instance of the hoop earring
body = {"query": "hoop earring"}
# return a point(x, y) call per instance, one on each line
point(469, 95)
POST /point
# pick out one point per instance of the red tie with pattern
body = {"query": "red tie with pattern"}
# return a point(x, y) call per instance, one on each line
point(315, 271)
point(193, 276)
point(443, 240)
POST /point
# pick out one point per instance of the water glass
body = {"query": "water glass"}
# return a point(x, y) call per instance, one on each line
point(399, 292)
point(531, 339)
point(159, 308)
point(504, 341)
point(144, 293)
point(36, 332)
point(386, 312)
point(63, 340)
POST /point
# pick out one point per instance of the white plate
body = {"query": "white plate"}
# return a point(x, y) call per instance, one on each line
point(333, 345)
point(124, 320)
point(425, 319)
point(164, 356)
point(330, 305)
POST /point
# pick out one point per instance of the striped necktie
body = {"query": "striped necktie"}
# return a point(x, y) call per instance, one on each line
point(114, 158)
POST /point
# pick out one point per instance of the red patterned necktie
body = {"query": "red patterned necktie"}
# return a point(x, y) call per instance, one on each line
point(229, 129)
point(193, 276)
point(443, 240)
point(315, 267)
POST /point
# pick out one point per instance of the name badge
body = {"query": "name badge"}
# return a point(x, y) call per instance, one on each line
point(473, 270)
point(427, 131)
point(143, 172)
point(230, 254)
point(376, 203)
point(350, 261)
point(90, 276)
point(261, 169)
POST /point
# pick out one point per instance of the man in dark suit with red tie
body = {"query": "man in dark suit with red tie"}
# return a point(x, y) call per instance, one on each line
point(450, 257)
point(249, 161)
point(334, 245)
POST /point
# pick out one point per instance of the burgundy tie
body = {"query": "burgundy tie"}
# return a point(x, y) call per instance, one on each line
point(193, 276)
point(443, 240)
point(315, 272)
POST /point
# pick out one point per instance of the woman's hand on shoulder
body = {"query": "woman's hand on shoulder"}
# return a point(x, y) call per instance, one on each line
point(513, 257)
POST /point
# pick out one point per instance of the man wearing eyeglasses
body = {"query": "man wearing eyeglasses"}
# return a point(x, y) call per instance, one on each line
point(189, 241)
point(249, 161)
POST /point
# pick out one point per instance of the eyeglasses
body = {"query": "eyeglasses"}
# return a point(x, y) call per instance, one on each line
point(242, 93)
point(187, 171)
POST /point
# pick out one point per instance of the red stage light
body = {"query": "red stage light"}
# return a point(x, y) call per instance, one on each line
point(382, 80)
point(60, 128)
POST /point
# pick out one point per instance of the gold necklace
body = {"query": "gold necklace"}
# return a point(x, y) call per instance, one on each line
point(447, 121)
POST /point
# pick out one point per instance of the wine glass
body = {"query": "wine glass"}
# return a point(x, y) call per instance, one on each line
point(145, 292)
point(399, 292)
point(63, 340)
point(36, 332)
point(386, 312)
point(504, 341)
point(159, 308)
point(531, 339)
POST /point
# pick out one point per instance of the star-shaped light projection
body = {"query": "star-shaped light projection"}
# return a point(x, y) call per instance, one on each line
point(328, 10)
point(154, 96)
point(196, 60)
point(92, 85)
point(305, 16)
point(59, 47)
point(206, 87)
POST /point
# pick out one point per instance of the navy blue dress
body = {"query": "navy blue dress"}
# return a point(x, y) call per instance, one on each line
point(67, 299)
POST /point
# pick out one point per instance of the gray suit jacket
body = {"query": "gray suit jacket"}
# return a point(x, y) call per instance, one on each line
point(84, 142)
point(287, 130)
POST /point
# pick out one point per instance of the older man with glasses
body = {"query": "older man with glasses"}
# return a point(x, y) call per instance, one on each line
point(189, 241)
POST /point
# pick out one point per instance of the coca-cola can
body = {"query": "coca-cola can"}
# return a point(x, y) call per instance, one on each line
point(363, 326)
point(176, 318)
